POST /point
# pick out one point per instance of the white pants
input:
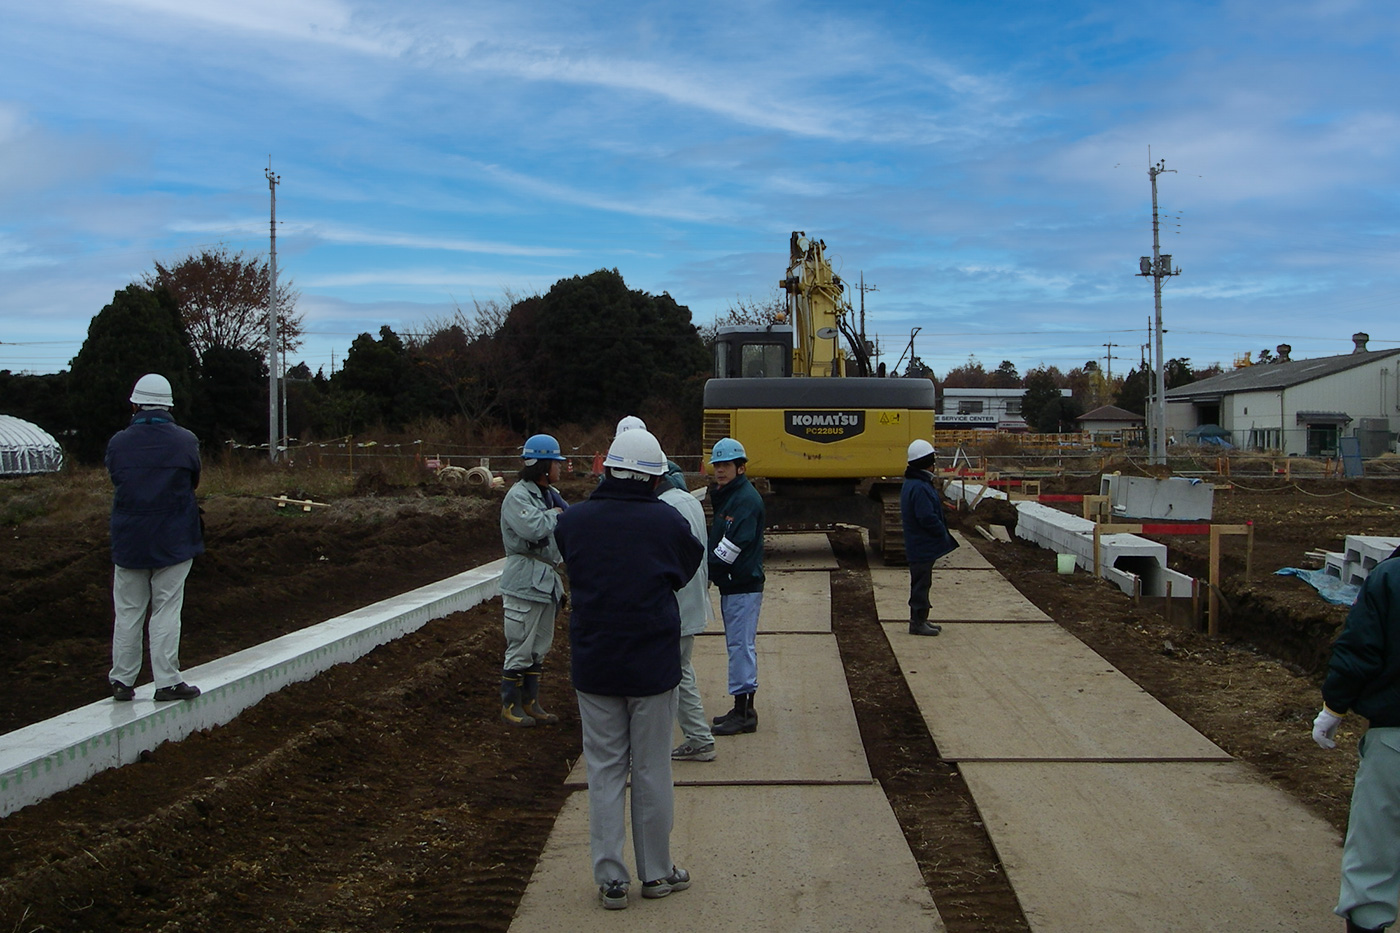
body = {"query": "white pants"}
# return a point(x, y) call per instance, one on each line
point(134, 592)
point(690, 709)
point(616, 731)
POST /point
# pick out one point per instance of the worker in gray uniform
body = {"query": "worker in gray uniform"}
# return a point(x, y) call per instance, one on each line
point(1363, 676)
point(530, 585)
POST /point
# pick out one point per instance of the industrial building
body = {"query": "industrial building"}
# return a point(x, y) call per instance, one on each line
point(1298, 407)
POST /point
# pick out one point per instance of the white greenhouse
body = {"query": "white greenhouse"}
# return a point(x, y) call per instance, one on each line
point(26, 448)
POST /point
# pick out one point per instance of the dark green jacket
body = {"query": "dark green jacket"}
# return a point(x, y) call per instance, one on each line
point(739, 518)
point(1364, 673)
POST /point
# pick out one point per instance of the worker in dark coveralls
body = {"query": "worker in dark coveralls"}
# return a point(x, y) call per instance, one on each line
point(154, 465)
point(1364, 677)
point(627, 554)
point(926, 536)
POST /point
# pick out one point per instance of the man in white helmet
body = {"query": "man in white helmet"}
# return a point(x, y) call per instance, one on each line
point(156, 534)
point(627, 554)
point(926, 536)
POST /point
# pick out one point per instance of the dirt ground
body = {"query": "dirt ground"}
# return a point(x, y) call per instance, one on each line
point(387, 795)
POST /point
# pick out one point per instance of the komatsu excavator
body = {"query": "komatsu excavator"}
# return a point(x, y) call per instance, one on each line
point(831, 444)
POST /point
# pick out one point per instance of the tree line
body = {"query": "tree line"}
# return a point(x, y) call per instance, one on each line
point(587, 350)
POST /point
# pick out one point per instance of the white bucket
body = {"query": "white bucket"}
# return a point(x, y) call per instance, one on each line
point(1065, 563)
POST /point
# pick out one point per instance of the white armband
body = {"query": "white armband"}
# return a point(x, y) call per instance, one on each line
point(727, 551)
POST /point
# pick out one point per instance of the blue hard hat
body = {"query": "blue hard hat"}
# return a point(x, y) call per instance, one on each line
point(726, 449)
point(541, 447)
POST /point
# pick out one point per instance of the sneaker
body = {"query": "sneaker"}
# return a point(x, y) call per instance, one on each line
point(180, 691)
point(121, 691)
point(677, 880)
point(613, 895)
point(924, 628)
point(691, 752)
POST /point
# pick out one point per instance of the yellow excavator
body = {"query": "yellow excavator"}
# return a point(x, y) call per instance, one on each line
point(830, 443)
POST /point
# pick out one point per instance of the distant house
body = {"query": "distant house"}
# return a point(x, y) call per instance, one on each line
point(1113, 425)
point(1298, 407)
point(984, 409)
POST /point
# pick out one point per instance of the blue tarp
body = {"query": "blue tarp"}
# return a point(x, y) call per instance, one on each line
point(1328, 587)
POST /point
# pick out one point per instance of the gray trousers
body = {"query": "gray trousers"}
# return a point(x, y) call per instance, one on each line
point(1370, 856)
point(529, 629)
point(134, 592)
point(622, 735)
point(690, 709)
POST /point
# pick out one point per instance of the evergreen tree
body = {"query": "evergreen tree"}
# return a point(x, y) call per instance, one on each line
point(139, 332)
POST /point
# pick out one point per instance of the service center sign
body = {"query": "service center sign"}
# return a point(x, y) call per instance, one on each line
point(824, 426)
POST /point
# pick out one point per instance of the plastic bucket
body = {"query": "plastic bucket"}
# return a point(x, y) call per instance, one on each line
point(1064, 563)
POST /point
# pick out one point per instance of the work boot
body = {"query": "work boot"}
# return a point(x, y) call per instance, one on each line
point(530, 695)
point(737, 711)
point(745, 718)
point(923, 627)
point(511, 709)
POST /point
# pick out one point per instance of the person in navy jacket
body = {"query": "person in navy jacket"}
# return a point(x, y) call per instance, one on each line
point(156, 534)
point(627, 553)
point(926, 536)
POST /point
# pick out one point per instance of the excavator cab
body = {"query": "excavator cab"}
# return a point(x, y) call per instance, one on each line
point(753, 352)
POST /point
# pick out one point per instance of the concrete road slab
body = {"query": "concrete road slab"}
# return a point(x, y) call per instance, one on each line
point(957, 596)
point(762, 858)
point(804, 551)
point(966, 557)
point(793, 601)
point(1157, 847)
point(1034, 691)
point(806, 723)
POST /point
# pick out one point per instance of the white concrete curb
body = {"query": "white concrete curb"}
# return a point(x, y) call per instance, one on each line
point(47, 757)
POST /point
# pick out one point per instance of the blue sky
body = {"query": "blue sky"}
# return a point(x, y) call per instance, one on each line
point(983, 165)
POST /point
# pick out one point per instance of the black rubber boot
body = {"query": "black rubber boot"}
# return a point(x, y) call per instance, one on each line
point(737, 711)
point(511, 709)
point(743, 718)
point(530, 697)
point(923, 627)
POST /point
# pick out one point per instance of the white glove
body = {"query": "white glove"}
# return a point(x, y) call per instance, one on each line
point(1325, 728)
point(727, 551)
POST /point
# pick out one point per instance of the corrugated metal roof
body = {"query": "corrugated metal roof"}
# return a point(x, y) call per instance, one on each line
point(1263, 376)
point(27, 448)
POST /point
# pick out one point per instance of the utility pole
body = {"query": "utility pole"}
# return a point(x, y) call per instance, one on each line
point(272, 396)
point(1158, 266)
point(1109, 347)
point(864, 344)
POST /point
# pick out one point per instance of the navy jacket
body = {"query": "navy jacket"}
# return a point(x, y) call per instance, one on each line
point(154, 465)
point(627, 554)
point(926, 536)
point(739, 516)
point(1364, 673)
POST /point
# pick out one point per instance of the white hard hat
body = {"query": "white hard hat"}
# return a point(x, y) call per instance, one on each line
point(630, 423)
point(637, 450)
point(153, 389)
point(919, 449)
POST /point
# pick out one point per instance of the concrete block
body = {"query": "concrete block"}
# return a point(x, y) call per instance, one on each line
point(1174, 497)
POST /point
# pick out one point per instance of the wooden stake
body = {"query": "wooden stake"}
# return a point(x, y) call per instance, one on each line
point(1214, 599)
